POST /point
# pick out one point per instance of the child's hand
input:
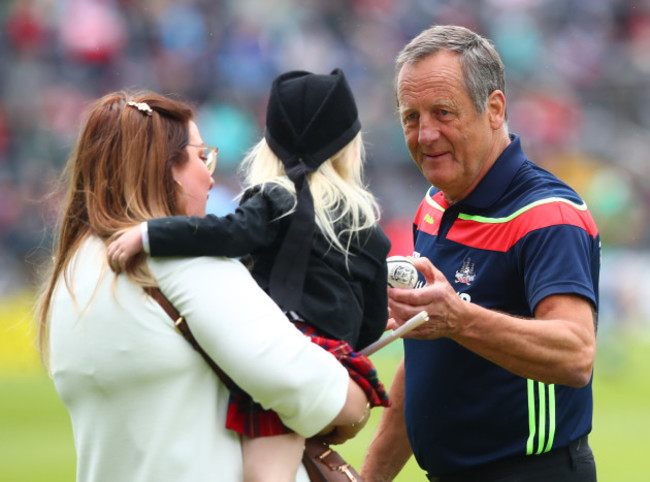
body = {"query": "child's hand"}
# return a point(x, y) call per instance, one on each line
point(121, 250)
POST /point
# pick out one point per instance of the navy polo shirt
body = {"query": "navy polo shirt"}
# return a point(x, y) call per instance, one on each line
point(520, 236)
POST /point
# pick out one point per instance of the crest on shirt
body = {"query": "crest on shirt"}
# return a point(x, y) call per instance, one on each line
point(466, 272)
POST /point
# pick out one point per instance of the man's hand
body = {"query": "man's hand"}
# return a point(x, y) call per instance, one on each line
point(121, 250)
point(437, 298)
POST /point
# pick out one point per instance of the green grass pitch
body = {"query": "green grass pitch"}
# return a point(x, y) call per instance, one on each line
point(36, 437)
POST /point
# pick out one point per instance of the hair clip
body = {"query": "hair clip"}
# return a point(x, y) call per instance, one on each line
point(141, 106)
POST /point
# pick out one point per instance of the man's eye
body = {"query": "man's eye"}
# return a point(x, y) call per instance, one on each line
point(409, 117)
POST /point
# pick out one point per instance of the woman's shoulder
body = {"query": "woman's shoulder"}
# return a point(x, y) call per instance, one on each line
point(194, 267)
point(204, 281)
point(91, 254)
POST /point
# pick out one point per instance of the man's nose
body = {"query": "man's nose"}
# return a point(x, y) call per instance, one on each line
point(429, 131)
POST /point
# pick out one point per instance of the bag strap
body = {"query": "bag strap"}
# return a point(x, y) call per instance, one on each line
point(184, 329)
point(326, 465)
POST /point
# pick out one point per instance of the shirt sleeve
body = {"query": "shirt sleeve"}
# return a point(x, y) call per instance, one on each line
point(251, 227)
point(249, 337)
point(145, 238)
point(559, 260)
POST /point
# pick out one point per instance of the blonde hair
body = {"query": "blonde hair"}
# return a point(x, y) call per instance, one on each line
point(337, 187)
point(118, 175)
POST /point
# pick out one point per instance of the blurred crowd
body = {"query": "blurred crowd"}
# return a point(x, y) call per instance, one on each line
point(577, 73)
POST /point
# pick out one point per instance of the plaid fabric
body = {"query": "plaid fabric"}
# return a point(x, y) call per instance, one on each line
point(248, 417)
point(359, 366)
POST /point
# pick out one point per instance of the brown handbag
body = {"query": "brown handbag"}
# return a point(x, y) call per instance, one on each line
point(321, 462)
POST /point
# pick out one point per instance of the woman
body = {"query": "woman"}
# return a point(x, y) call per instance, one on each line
point(144, 405)
point(337, 294)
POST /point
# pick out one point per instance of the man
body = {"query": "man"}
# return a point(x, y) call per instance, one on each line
point(497, 384)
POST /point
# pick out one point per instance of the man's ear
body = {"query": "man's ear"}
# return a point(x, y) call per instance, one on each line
point(496, 109)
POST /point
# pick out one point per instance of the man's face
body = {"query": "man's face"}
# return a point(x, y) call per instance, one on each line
point(451, 143)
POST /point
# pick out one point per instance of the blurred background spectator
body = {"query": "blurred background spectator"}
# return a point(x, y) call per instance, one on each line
point(579, 96)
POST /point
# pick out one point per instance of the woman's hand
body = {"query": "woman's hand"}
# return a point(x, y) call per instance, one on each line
point(121, 250)
point(352, 418)
point(340, 433)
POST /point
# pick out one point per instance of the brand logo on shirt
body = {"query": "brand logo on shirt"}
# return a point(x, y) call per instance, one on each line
point(429, 219)
point(466, 273)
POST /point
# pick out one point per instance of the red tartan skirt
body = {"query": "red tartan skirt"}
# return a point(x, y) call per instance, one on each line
point(248, 417)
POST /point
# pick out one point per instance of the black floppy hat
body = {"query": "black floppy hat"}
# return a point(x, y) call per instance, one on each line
point(309, 118)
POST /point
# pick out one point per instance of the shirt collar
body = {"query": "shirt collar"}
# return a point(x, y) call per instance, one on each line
point(498, 178)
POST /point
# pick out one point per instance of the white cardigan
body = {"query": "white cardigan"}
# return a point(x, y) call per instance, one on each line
point(143, 403)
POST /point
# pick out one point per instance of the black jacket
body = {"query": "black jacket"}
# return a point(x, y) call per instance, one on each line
point(345, 303)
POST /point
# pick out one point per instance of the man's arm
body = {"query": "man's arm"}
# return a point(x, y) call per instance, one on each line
point(389, 449)
point(557, 346)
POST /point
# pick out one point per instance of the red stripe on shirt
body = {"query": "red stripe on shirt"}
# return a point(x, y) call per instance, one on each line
point(503, 235)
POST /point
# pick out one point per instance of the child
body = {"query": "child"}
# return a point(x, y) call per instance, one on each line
point(311, 230)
